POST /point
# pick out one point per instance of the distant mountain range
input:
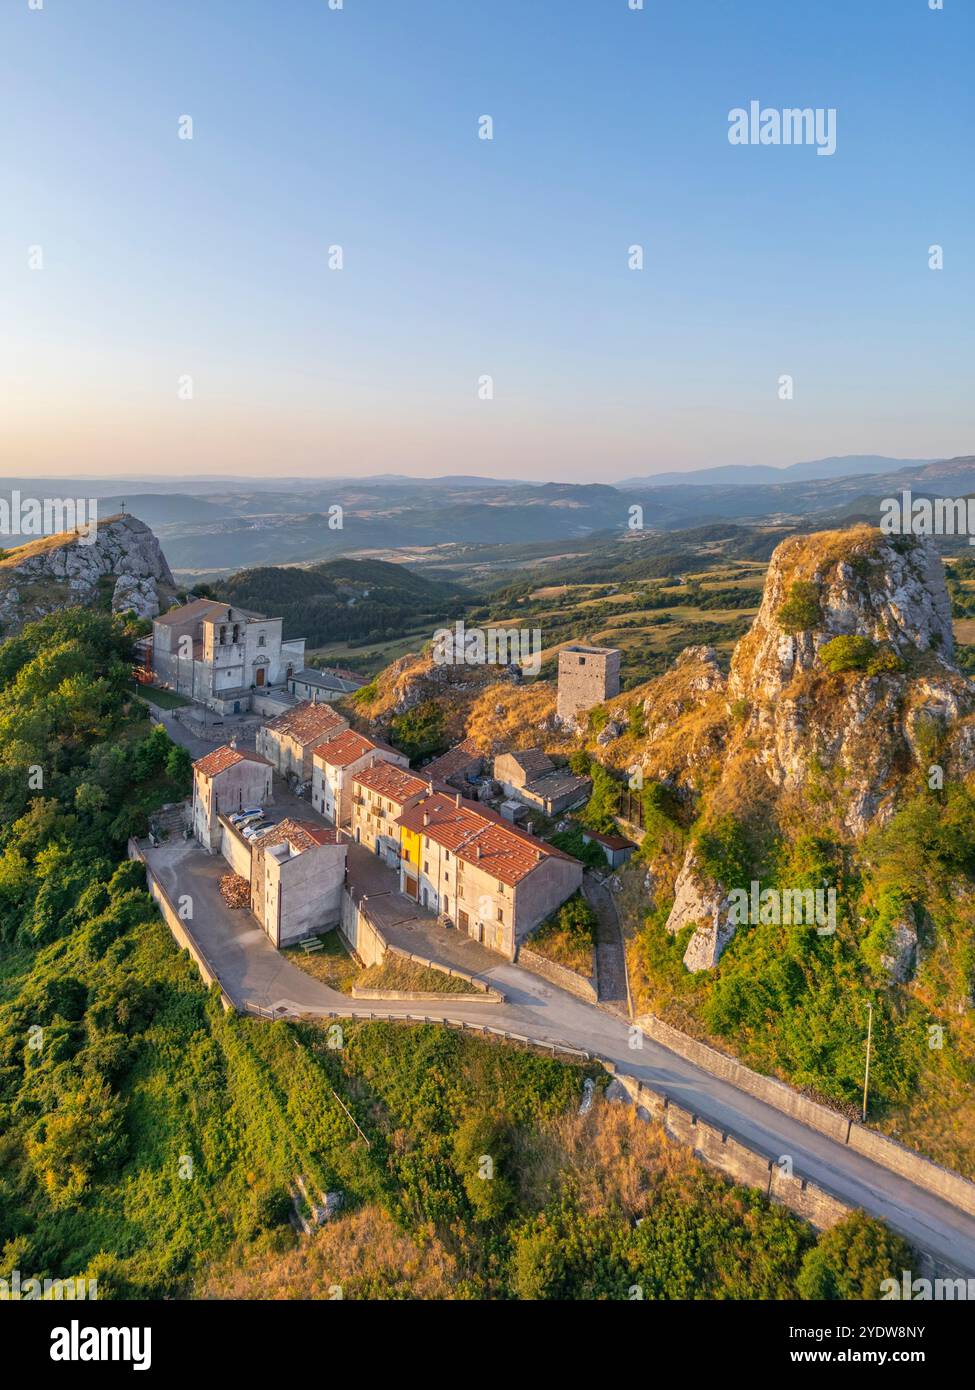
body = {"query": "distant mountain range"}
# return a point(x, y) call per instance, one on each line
point(842, 466)
point(223, 525)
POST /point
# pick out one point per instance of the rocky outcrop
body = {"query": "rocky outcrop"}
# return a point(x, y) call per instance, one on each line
point(804, 720)
point(862, 727)
point(122, 566)
point(703, 904)
point(899, 958)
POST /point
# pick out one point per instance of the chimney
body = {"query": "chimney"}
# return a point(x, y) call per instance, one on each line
point(478, 851)
point(458, 798)
point(426, 817)
point(233, 741)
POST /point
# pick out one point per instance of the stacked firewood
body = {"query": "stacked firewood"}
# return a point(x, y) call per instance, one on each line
point(236, 890)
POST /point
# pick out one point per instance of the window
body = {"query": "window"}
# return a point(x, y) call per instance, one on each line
point(500, 914)
point(582, 661)
point(426, 866)
point(446, 855)
point(262, 640)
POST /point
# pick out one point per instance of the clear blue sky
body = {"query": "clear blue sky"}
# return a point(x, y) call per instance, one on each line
point(208, 258)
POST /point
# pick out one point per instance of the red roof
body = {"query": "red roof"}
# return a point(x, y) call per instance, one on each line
point(391, 781)
point(347, 748)
point(455, 760)
point(300, 835)
point(211, 764)
point(479, 837)
point(307, 722)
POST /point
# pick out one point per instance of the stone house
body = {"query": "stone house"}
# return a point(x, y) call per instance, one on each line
point(325, 684)
point(221, 655)
point(288, 741)
point(335, 763)
point(497, 883)
point(224, 782)
point(532, 778)
point(297, 878)
point(380, 795)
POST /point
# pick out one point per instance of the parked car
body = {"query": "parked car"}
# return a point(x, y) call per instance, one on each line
point(240, 816)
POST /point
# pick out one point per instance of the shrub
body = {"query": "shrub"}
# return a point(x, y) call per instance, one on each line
point(851, 1260)
point(801, 610)
point(847, 653)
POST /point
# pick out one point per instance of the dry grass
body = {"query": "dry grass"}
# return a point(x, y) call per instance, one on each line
point(396, 972)
point(364, 1254)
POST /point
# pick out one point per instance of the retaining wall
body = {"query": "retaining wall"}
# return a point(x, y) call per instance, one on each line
point(556, 974)
point(774, 1093)
point(178, 927)
point(930, 1176)
point(922, 1171)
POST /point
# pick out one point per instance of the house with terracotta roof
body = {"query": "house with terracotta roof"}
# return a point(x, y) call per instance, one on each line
point(288, 741)
point(224, 782)
point(335, 763)
point(297, 878)
point(457, 766)
point(495, 882)
point(221, 655)
point(380, 795)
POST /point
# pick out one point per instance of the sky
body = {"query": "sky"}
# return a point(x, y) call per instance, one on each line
point(167, 305)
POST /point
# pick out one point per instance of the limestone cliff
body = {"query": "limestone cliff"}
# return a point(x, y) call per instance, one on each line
point(123, 566)
point(843, 690)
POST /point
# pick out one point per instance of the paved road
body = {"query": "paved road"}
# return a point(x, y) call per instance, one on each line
point(251, 969)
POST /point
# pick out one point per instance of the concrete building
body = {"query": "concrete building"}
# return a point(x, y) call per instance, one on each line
point(312, 684)
point(457, 767)
point(287, 741)
point(335, 763)
point(497, 883)
point(297, 878)
point(380, 795)
point(220, 655)
point(224, 782)
point(533, 779)
point(587, 677)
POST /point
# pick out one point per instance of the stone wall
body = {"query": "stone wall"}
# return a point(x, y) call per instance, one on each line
point(775, 1093)
point(922, 1171)
point(560, 975)
point(930, 1176)
point(179, 929)
point(359, 933)
point(721, 1149)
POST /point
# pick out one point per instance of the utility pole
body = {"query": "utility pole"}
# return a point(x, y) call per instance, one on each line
point(866, 1073)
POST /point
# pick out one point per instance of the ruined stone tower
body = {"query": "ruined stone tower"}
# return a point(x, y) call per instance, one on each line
point(587, 676)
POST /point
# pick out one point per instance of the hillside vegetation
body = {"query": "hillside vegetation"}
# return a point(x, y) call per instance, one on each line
point(342, 600)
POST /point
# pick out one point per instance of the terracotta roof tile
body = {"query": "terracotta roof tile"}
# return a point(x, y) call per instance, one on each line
point(211, 764)
point(347, 747)
point(390, 781)
point(300, 835)
point(307, 722)
point(480, 837)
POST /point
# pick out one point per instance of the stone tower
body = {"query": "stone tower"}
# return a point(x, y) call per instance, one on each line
point(587, 676)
